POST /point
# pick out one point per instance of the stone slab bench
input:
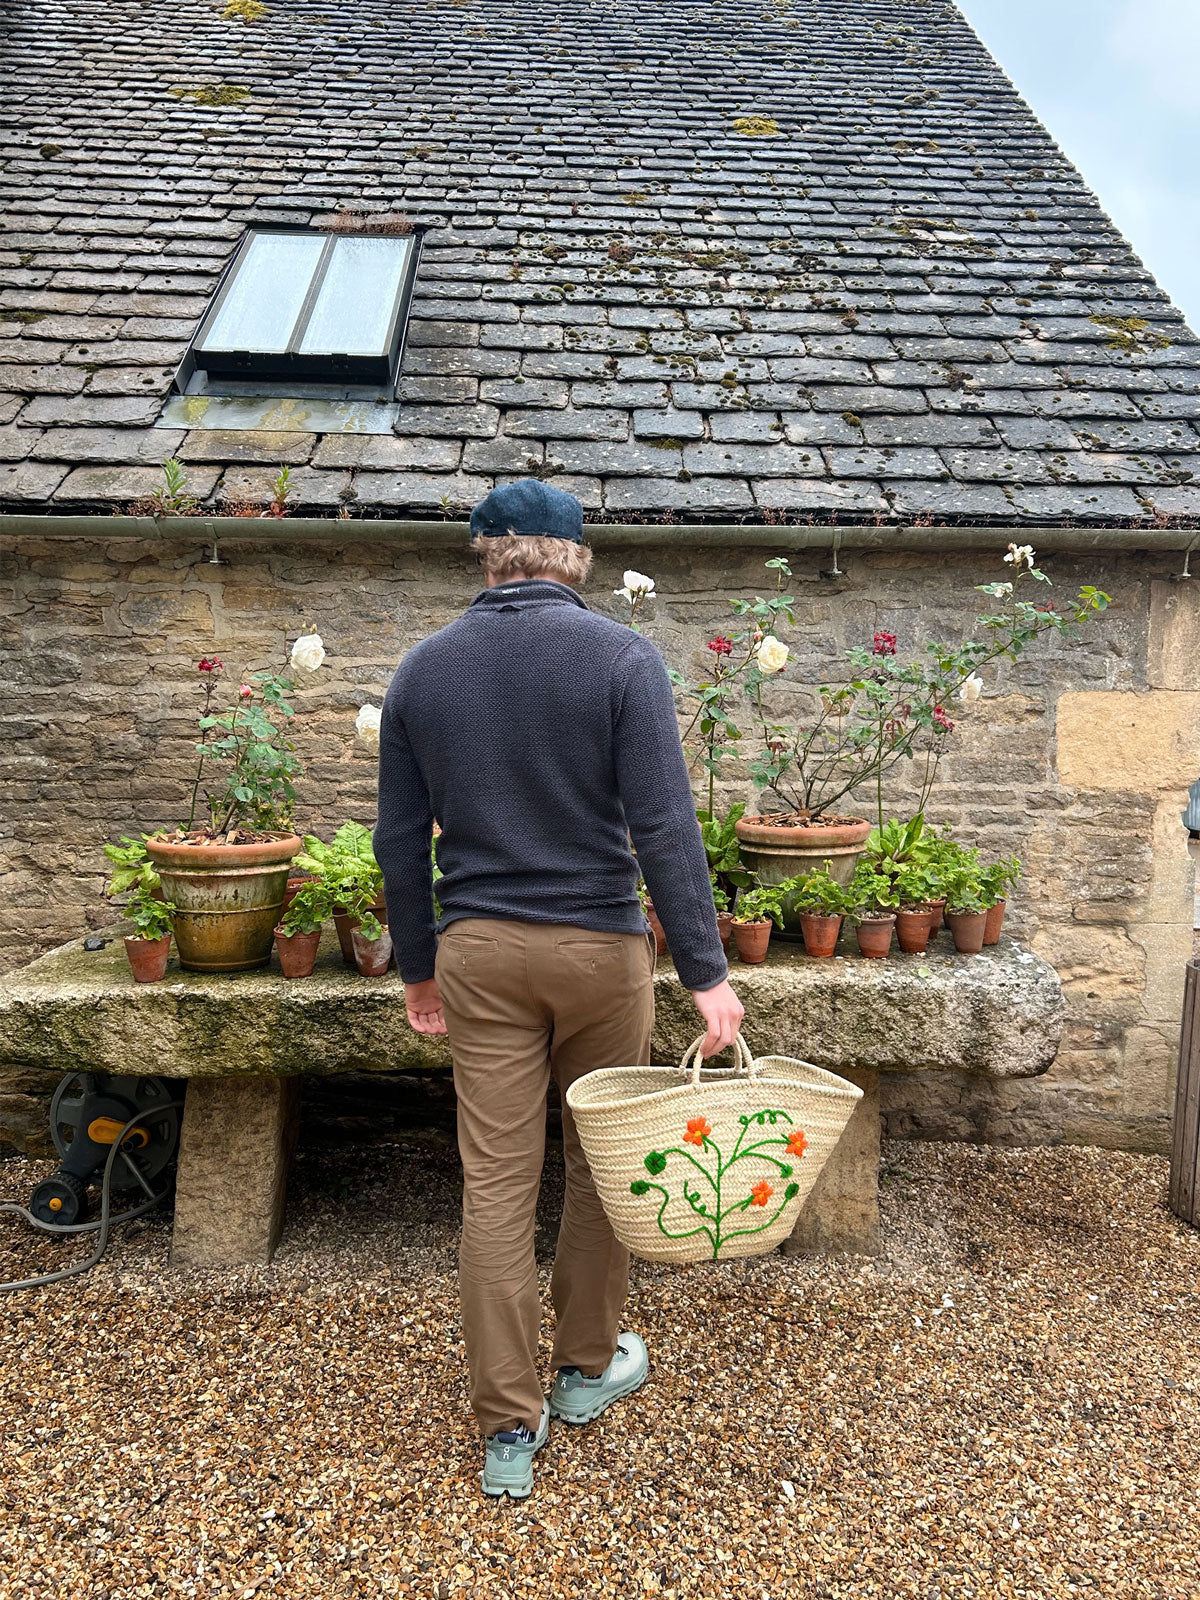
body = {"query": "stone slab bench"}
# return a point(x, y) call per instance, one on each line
point(246, 1040)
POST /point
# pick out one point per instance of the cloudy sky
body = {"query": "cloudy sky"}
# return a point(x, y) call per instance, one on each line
point(1117, 83)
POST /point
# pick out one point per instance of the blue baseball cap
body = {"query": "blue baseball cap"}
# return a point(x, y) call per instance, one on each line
point(531, 509)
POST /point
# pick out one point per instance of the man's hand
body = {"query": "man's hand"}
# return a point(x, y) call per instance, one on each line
point(722, 1011)
point(423, 1002)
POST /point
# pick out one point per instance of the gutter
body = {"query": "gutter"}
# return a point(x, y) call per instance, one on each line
point(430, 535)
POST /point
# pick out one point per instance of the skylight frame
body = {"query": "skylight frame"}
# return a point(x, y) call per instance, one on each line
point(278, 368)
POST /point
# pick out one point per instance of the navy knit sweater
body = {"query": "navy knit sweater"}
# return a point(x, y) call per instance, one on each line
point(542, 737)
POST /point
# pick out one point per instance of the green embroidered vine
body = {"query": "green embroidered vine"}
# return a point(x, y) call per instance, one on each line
point(707, 1205)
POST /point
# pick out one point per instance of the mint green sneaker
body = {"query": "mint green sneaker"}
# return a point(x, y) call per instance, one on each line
point(508, 1459)
point(578, 1399)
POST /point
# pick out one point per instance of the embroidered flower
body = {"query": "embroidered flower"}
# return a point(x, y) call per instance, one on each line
point(721, 646)
point(698, 1129)
point(761, 1193)
point(883, 644)
point(797, 1142)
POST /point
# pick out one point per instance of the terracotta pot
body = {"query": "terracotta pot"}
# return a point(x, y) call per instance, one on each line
point(372, 957)
point(752, 939)
point(913, 927)
point(230, 898)
point(297, 952)
point(820, 933)
point(937, 915)
point(294, 886)
point(875, 937)
point(775, 853)
point(346, 924)
point(968, 928)
point(725, 927)
point(148, 958)
point(995, 921)
point(660, 938)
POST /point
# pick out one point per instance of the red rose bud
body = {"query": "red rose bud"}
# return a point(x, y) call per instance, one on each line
point(721, 646)
point(884, 644)
point(245, 692)
point(942, 720)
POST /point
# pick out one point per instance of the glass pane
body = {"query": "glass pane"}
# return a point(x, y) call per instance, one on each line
point(264, 300)
point(354, 308)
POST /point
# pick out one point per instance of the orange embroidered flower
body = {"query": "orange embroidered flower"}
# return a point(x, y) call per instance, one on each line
point(761, 1193)
point(698, 1130)
point(797, 1144)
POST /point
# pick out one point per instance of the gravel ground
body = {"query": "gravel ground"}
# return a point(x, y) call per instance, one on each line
point(1004, 1405)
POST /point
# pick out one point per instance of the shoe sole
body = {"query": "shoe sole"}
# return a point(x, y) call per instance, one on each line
point(601, 1404)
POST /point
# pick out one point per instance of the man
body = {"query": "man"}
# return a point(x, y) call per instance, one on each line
point(542, 737)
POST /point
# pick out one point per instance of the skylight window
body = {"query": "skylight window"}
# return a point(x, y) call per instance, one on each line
point(310, 307)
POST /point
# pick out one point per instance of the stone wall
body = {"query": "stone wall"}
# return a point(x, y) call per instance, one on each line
point(1076, 759)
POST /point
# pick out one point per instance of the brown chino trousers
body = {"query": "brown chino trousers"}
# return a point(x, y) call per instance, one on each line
point(523, 1000)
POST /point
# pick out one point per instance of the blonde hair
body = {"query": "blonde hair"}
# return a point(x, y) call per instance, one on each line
point(533, 557)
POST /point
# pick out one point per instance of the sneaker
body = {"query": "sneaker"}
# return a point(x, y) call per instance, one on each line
point(576, 1398)
point(508, 1459)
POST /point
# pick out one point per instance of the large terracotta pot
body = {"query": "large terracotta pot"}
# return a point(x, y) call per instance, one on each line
point(346, 924)
point(229, 899)
point(994, 923)
point(774, 853)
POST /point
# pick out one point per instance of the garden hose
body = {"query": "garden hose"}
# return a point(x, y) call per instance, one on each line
point(101, 1227)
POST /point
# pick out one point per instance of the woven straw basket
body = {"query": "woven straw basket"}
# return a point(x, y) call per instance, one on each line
point(706, 1165)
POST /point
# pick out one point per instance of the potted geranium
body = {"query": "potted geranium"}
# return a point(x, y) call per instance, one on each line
point(149, 946)
point(298, 936)
point(372, 943)
point(822, 904)
point(966, 909)
point(875, 901)
point(351, 877)
point(227, 868)
point(756, 912)
point(724, 912)
point(995, 881)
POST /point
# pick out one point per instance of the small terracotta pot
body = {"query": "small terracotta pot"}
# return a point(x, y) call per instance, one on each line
point(913, 927)
point(660, 938)
point(875, 937)
point(297, 952)
point(995, 921)
point(937, 916)
point(820, 933)
point(724, 927)
point(752, 939)
point(148, 958)
point(372, 957)
point(346, 924)
point(968, 928)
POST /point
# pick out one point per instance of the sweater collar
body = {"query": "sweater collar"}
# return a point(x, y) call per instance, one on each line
point(528, 591)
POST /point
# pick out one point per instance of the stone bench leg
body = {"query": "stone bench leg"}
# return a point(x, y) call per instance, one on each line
point(234, 1148)
point(841, 1216)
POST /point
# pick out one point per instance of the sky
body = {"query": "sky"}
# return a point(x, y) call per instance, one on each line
point(1117, 84)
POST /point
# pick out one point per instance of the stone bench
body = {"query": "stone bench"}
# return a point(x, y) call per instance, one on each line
point(245, 1041)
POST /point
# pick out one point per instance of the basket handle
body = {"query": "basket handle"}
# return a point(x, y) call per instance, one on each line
point(744, 1061)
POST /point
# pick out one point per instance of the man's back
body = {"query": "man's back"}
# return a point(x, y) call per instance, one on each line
point(541, 736)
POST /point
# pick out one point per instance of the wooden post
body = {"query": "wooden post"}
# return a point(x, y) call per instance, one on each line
point(1185, 1146)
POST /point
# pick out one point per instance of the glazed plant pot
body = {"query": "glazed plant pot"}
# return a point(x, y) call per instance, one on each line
point(820, 933)
point(372, 957)
point(660, 938)
point(968, 928)
point(913, 928)
point(346, 924)
point(229, 899)
point(297, 952)
point(148, 958)
point(775, 852)
point(994, 923)
point(752, 939)
point(724, 927)
point(875, 937)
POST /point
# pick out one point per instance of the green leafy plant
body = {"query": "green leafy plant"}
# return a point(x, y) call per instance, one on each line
point(998, 879)
point(310, 909)
point(760, 904)
point(350, 876)
point(873, 893)
point(172, 499)
point(152, 918)
point(962, 884)
point(720, 898)
point(723, 850)
point(818, 893)
point(132, 867)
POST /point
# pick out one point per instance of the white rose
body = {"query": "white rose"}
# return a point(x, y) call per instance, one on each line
point(366, 725)
point(308, 652)
point(1020, 555)
point(971, 689)
point(637, 587)
point(772, 654)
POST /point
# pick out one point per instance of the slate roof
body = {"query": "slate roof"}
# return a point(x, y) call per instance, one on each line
point(896, 299)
